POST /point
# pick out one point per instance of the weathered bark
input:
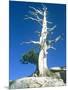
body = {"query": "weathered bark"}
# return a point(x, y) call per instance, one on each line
point(42, 61)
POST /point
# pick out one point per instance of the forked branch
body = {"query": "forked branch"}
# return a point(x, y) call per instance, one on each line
point(37, 11)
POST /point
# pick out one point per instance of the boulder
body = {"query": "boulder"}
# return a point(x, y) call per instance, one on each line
point(36, 82)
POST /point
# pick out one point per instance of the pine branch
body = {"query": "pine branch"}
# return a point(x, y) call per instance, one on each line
point(52, 48)
point(51, 29)
point(58, 38)
point(44, 7)
point(34, 42)
point(35, 15)
point(50, 43)
point(37, 11)
point(49, 22)
point(34, 19)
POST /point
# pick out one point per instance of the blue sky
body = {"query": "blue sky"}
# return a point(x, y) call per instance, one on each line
point(24, 30)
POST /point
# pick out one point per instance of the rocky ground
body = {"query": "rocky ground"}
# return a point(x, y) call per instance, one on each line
point(36, 82)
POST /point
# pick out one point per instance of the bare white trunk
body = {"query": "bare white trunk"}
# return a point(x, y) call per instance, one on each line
point(45, 56)
point(41, 62)
point(45, 63)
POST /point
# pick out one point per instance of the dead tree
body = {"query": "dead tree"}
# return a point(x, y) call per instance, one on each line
point(44, 42)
